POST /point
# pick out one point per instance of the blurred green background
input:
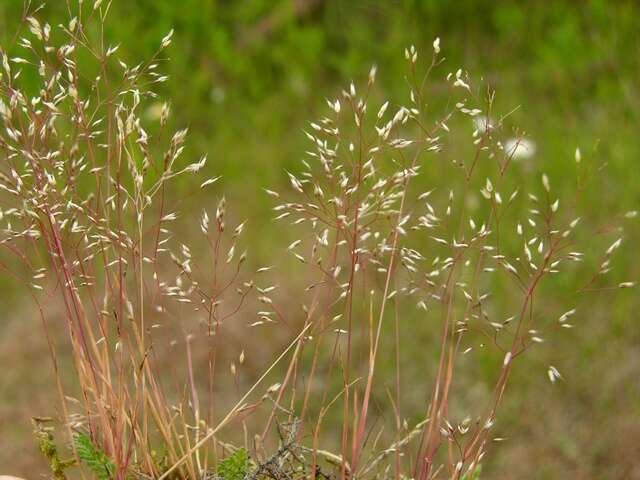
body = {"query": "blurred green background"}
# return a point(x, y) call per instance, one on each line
point(246, 77)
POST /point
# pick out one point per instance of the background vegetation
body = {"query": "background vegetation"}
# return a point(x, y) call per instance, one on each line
point(247, 76)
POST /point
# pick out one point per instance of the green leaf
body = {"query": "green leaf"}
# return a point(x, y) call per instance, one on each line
point(234, 467)
point(93, 457)
point(475, 475)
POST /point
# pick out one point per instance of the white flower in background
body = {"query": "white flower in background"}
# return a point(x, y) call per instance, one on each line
point(482, 123)
point(218, 94)
point(518, 148)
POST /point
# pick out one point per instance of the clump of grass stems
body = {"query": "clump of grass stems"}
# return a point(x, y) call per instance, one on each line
point(87, 214)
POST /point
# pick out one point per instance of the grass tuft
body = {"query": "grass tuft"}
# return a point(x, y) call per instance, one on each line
point(94, 226)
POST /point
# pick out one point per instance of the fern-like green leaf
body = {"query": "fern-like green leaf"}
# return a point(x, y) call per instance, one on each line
point(234, 467)
point(94, 458)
